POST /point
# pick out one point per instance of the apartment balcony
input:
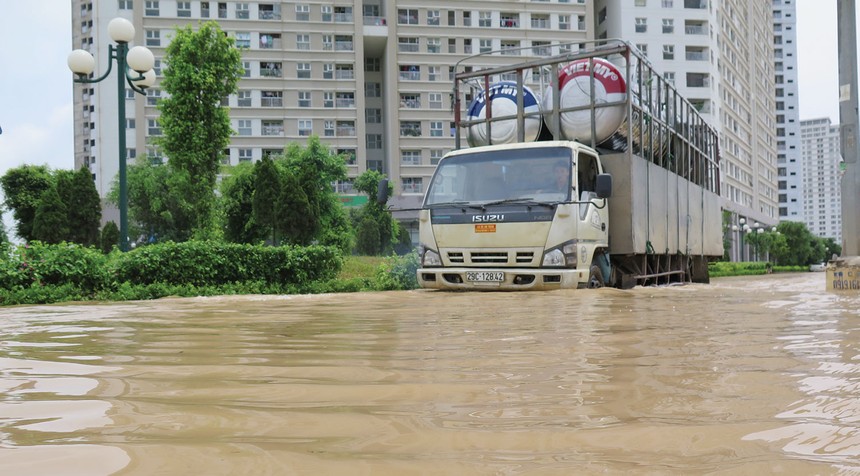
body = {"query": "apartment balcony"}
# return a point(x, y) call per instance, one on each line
point(375, 35)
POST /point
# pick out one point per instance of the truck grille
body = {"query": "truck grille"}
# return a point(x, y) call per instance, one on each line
point(484, 258)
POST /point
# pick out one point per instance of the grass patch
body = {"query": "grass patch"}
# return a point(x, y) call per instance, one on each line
point(360, 267)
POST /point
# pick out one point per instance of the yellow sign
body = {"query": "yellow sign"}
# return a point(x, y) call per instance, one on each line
point(485, 228)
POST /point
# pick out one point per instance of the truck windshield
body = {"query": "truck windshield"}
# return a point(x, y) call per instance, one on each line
point(539, 174)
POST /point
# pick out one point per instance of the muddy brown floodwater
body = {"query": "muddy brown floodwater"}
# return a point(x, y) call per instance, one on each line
point(743, 376)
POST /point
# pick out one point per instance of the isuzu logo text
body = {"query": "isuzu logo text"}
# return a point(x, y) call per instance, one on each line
point(487, 218)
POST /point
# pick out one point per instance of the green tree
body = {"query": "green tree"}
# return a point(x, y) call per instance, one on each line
point(377, 231)
point(202, 68)
point(237, 205)
point(268, 188)
point(296, 224)
point(317, 168)
point(798, 244)
point(109, 237)
point(83, 206)
point(50, 223)
point(23, 188)
point(155, 206)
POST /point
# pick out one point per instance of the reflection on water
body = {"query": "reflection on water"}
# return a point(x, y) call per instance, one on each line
point(746, 375)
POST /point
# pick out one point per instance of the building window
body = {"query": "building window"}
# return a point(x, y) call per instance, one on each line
point(540, 21)
point(432, 73)
point(243, 11)
point(407, 16)
point(412, 184)
point(129, 123)
point(152, 96)
point(372, 65)
point(269, 11)
point(485, 46)
point(435, 100)
point(372, 90)
point(328, 71)
point(434, 45)
point(243, 39)
point(272, 99)
point(410, 100)
point(246, 65)
point(435, 156)
point(410, 157)
point(244, 128)
point(245, 155)
point(643, 48)
point(373, 141)
point(668, 25)
point(435, 128)
point(668, 52)
point(222, 9)
point(271, 69)
point(345, 100)
point(326, 11)
point(410, 128)
point(328, 129)
point(303, 70)
point(153, 129)
point(183, 9)
point(304, 99)
point(151, 8)
point(346, 128)
point(204, 9)
point(273, 127)
point(303, 12)
point(410, 72)
point(270, 40)
point(485, 19)
point(564, 22)
point(303, 42)
point(126, 4)
point(328, 99)
point(373, 115)
point(641, 25)
point(433, 17)
point(344, 71)
point(306, 127)
point(640, 3)
point(153, 38)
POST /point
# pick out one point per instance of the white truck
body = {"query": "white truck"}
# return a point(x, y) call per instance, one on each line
point(609, 179)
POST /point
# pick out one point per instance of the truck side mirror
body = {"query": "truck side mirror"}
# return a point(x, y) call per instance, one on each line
point(382, 192)
point(604, 186)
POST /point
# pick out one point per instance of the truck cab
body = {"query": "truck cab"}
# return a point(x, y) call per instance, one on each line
point(516, 216)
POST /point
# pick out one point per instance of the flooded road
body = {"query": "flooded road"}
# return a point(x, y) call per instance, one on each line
point(744, 376)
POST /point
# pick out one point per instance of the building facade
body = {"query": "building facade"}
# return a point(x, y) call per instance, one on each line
point(371, 78)
point(821, 158)
point(789, 163)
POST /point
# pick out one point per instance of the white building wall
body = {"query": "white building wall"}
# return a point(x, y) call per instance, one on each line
point(790, 165)
point(820, 156)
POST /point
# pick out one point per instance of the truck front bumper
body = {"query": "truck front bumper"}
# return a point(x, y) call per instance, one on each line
point(515, 279)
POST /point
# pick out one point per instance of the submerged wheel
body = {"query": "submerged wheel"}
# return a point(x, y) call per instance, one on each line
point(595, 277)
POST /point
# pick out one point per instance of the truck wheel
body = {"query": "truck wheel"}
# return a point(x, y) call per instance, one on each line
point(595, 277)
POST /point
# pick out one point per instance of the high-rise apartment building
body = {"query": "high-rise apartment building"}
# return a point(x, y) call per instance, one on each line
point(789, 164)
point(371, 78)
point(720, 56)
point(820, 158)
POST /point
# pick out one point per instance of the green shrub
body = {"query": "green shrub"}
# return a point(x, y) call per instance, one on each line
point(398, 272)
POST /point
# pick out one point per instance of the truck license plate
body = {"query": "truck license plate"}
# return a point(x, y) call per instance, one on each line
point(486, 276)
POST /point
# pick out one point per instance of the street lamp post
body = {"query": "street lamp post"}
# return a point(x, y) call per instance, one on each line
point(141, 60)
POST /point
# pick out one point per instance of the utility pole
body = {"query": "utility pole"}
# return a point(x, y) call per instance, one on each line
point(849, 132)
point(843, 274)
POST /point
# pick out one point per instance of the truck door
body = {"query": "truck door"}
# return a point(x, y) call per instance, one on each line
point(593, 213)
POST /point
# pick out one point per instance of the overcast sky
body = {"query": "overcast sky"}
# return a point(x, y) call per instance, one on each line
point(36, 85)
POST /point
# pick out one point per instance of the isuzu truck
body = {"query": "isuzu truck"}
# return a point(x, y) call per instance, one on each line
point(584, 169)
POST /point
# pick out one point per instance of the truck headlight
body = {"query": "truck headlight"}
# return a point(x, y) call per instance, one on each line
point(431, 258)
point(563, 256)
